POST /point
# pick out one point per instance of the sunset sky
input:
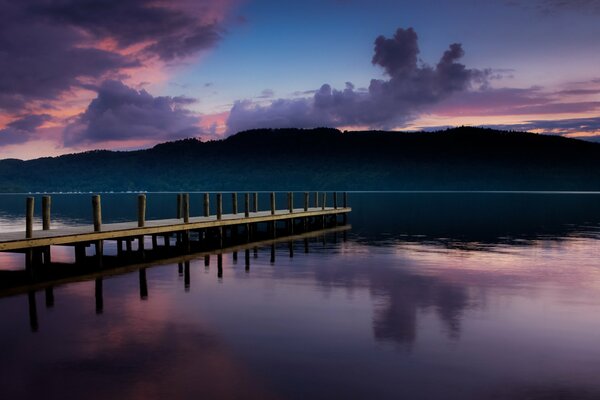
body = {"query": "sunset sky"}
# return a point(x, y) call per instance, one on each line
point(124, 74)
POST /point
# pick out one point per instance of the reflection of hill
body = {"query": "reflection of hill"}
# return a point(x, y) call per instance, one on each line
point(291, 159)
point(473, 221)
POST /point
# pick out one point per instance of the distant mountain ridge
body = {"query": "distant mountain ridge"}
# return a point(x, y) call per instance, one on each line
point(323, 159)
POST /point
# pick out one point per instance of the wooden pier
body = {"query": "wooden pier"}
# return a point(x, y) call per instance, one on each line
point(191, 233)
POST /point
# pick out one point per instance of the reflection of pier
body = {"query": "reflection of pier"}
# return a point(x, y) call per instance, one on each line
point(183, 262)
point(190, 233)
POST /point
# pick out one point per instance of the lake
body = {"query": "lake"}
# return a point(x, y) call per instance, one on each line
point(427, 296)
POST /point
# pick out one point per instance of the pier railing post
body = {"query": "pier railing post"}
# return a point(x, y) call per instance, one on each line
point(206, 204)
point(272, 203)
point(141, 210)
point(323, 200)
point(247, 205)
point(316, 200)
point(97, 210)
point(179, 202)
point(345, 201)
point(46, 204)
point(291, 202)
point(234, 203)
point(305, 201)
point(185, 203)
point(219, 205)
point(255, 205)
point(335, 202)
point(29, 217)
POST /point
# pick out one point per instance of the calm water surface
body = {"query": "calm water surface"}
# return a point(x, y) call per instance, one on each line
point(428, 296)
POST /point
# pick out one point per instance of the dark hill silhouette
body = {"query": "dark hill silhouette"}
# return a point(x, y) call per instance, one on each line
point(294, 159)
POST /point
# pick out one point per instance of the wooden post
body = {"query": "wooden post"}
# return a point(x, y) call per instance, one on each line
point(179, 201)
point(206, 204)
point(291, 202)
point(316, 199)
point(247, 205)
point(185, 203)
point(29, 217)
point(335, 200)
point(323, 200)
point(247, 259)
point(305, 201)
point(255, 205)
point(272, 203)
point(345, 201)
point(46, 203)
point(219, 205)
point(234, 206)
point(141, 210)
point(97, 209)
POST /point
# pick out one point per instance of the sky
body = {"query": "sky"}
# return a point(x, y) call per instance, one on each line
point(78, 75)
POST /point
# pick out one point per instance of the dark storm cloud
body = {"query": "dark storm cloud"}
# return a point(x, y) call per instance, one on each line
point(21, 130)
point(173, 29)
point(40, 61)
point(48, 47)
point(385, 104)
point(121, 113)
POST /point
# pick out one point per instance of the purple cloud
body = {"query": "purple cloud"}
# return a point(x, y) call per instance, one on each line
point(21, 130)
point(385, 104)
point(556, 6)
point(48, 47)
point(172, 29)
point(560, 127)
point(121, 113)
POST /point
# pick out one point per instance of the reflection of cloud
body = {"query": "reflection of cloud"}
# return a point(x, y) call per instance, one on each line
point(399, 295)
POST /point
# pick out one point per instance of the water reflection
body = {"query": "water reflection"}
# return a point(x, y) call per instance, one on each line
point(391, 309)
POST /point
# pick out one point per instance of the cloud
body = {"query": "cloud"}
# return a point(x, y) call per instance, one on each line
point(50, 47)
point(169, 30)
point(557, 6)
point(121, 113)
point(386, 103)
point(568, 126)
point(21, 130)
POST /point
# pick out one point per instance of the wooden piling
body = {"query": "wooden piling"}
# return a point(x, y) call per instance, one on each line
point(247, 205)
point(219, 205)
point(206, 204)
point(345, 200)
point(141, 210)
point(185, 205)
point(290, 202)
point(97, 210)
point(272, 203)
point(335, 202)
point(29, 217)
point(179, 201)
point(316, 200)
point(305, 201)
point(255, 205)
point(323, 200)
point(46, 203)
point(234, 203)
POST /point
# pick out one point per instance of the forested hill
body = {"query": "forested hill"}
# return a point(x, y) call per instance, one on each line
point(293, 159)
